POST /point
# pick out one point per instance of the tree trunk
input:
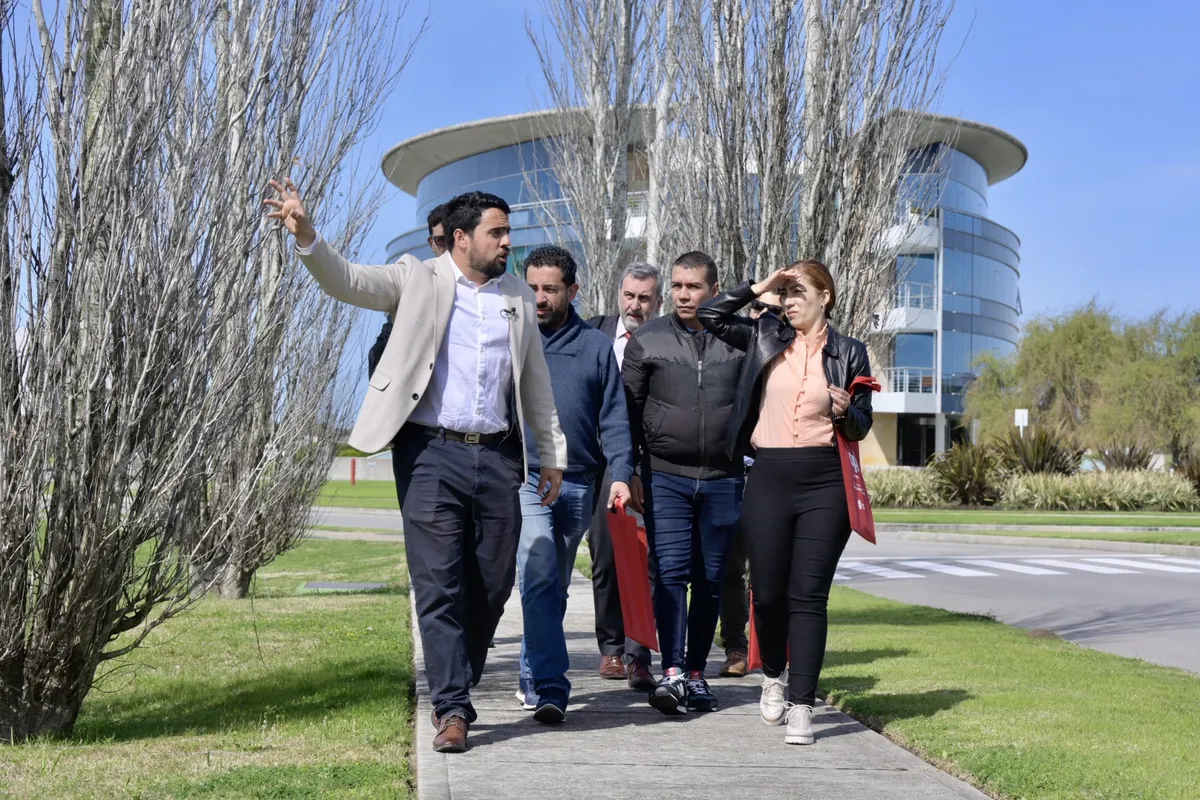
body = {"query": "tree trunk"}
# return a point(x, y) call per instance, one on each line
point(234, 583)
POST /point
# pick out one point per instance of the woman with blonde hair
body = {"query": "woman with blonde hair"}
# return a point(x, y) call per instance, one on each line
point(793, 393)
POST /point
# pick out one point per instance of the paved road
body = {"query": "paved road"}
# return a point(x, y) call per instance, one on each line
point(353, 519)
point(1144, 606)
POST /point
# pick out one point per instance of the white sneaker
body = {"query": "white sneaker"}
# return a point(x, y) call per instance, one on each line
point(799, 725)
point(773, 704)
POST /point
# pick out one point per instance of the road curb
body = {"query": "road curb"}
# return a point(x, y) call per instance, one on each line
point(968, 528)
point(1043, 541)
point(372, 512)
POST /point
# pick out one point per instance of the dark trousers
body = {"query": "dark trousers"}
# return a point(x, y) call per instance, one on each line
point(796, 525)
point(610, 625)
point(462, 524)
point(689, 526)
point(735, 604)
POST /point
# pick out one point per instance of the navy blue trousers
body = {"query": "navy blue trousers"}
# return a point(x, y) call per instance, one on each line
point(462, 523)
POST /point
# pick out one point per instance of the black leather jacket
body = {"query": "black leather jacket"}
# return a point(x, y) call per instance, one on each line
point(763, 340)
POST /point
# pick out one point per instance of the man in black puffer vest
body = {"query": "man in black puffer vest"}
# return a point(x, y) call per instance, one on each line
point(681, 382)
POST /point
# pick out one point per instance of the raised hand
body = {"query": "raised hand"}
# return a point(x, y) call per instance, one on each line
point(290, 211)
point(776, 281)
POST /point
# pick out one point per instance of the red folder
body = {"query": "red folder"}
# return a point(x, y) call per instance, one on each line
point(633, 577)
point(858, 501)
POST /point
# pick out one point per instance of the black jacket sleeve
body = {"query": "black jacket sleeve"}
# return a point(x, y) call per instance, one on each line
point(720, 318)
point(635, 373)
point(857, 421)
point(376, 351)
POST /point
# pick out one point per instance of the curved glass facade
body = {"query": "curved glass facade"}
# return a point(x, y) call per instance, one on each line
point(980, 271)
point(518, 173)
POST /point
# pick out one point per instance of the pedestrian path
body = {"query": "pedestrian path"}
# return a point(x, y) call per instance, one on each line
point(614, 745)
point(993, 566)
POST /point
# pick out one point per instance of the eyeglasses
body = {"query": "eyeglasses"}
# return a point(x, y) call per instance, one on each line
point(760, 307)
point(437, 241)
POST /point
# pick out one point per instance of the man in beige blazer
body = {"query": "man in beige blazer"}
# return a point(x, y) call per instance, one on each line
point(461, 384)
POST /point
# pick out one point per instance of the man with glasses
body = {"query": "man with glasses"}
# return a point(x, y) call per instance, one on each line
point(437, 243)
point(735, 604)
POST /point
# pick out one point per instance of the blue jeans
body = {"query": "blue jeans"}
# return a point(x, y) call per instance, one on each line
point(550, 536)
point(690, 528)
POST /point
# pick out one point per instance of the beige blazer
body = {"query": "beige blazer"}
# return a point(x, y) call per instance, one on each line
point(420, 296)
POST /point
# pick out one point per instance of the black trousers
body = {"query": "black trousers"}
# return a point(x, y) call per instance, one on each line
point(462, 524)
point(735, 604)
point(610, 625)
point(796, 524)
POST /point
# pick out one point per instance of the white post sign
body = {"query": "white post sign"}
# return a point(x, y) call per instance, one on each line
point(1022, 420)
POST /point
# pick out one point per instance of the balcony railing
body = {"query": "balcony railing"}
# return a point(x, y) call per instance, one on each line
point(910, 380)
point(916, 295)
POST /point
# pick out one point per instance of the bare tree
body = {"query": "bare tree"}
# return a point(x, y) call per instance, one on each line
point(155, 339)
point(869, 69)
point(594, 63)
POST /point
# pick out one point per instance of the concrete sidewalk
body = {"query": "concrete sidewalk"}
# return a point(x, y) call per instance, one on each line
point(614, 745)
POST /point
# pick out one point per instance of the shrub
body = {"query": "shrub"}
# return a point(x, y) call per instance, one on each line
point(1101, 491)
point(968, 474)
point(1117, 457)
point(903, 488)
point(344, 450)
point(1040, 451)
point(1189, 467)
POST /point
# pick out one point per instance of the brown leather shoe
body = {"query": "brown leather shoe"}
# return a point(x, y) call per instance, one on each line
point(735, 665)
point(612, 668)
point(452, 733)
point(640, 677)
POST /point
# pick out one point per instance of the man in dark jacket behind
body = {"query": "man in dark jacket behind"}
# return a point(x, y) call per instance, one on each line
point(639, 300)
point(681, 382)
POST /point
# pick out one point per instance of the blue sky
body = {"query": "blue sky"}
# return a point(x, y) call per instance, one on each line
point(1105, 96)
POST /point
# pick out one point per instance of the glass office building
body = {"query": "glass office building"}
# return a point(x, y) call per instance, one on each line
point(958, 296)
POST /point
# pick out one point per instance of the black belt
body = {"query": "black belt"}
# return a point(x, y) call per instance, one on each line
point(486, 439)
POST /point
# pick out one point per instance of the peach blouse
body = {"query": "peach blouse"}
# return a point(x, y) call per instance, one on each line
point(796, 410)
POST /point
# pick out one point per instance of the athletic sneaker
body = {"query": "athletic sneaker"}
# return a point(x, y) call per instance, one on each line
point(799, 725)
point(526, 696)
point(551, 706)
point(699, 696)
point(772, 706)
point(670, 696)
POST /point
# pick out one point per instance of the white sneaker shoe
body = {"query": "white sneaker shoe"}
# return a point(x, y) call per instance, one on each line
point(799, 725)
point(773, 704)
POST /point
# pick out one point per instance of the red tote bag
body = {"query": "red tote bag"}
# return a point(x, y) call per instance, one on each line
point(862, 521)
point(631, 554)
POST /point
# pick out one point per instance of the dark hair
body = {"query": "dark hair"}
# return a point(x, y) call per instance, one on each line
point(550, 255)
point(464, 212)
point(820, 277)
point(697, 260)
point(436, 217)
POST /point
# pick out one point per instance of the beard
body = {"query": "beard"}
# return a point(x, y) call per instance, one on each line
point(631, 324)
point(556, 318)
point(488, 267)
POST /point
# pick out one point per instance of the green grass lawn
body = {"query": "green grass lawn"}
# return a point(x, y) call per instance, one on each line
point(1022, 715)
point(363, 494)
point(997, 517)
point(297, 695)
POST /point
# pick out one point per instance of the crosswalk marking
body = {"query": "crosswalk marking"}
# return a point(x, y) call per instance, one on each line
point(1191, 562)
point(948, 569)
point(1080, 565)
point(1155, 564)
point(882, 572)
point(1025, 569)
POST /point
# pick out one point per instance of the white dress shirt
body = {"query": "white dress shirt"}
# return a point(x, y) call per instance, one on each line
point(620, 340)
point(468, 391)
point(472, 374)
